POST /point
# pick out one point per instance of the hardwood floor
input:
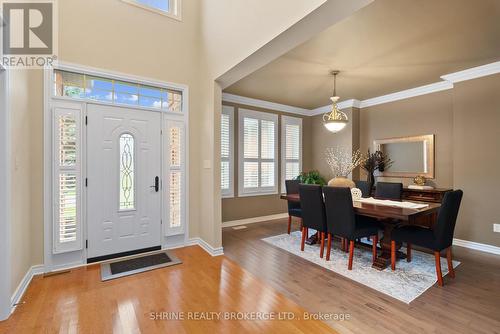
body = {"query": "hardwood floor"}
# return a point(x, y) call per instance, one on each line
point(79, 302)
point(468, 304)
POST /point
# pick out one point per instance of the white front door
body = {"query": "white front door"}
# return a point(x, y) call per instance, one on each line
point(123, 186)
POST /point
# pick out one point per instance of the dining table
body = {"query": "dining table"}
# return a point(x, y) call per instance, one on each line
point(388, 215)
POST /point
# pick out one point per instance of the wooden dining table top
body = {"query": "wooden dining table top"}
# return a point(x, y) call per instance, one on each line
point(383, 211)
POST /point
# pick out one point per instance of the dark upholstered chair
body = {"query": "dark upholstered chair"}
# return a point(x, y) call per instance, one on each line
point(342, 221)
point(292, 187)
point(313, 213)
point(364, 186)
point(389, 190)
point(437, 239)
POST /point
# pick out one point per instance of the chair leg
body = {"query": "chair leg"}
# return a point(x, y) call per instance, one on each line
point(351, 254)
point(328, 246)
point(408, 252)
point(289, 223)
point(374, 248)
point(437, 255)
point(301, 225)
point(450, 262)
point(322, 244)
point(393, 255)
point(304, 233)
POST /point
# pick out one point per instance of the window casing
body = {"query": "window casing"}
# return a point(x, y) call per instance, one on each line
point(227, 152)
point(291, 149)
point(258, 153)
point(67, 213)
point(170, 8)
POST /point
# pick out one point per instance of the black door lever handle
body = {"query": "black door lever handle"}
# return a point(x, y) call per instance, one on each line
point(157, 184)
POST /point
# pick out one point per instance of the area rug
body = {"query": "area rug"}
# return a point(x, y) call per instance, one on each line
point(407, 282)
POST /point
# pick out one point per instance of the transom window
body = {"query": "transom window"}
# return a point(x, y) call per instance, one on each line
point(166, 7)
point(83, 86)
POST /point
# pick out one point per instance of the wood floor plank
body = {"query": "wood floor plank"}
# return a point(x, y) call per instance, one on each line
point(469, 303)
point(78, 302)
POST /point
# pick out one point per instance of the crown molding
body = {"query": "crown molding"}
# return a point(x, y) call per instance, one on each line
point(473, 73)
point(226, 97)
point(447, 83)
point(405, 94)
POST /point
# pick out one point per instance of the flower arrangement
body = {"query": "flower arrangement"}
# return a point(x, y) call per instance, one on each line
point(342, 162)
point(373, 162)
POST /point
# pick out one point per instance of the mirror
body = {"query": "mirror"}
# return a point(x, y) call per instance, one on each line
point(412, 156)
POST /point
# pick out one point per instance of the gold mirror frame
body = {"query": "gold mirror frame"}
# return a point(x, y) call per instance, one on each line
point(429, 155)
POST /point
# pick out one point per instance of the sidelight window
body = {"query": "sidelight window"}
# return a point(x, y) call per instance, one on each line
point(67, 180)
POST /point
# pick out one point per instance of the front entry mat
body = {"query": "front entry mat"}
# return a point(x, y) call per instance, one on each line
point(137, 264)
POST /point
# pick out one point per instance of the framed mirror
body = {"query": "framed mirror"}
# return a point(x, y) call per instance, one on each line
point(412, 156)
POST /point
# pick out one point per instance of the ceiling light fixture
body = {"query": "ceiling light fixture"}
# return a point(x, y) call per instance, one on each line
point(335, 120)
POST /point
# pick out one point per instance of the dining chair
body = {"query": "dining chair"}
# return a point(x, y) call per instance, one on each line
point(364, 186)
point(437, 239)
point(313, 213)
point(389, 190)
point(292, 187)
point(342, 221)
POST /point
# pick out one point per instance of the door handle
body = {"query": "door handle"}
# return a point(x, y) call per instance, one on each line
point(157, 184)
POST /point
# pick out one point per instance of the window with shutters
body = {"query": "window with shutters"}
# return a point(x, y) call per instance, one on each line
point(175, 178)
point(67, 180)
point(291, 149)
point(258, 153)
point(227, 152)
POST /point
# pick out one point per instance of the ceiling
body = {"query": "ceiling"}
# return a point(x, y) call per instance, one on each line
point(388, 46)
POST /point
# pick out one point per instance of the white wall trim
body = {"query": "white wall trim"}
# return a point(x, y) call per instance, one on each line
point(226, 97)
point(477, 246)
point(23, 285)
point(214, 251)
point(408, 93)
point(447, 83)
point(254, 220)
point(473, 73)
point(5, 196)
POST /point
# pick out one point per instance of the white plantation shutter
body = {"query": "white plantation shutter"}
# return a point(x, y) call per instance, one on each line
point(174, 178)
point(258, 153)
point(67, 179)
point(291, 148)
point(227, 151)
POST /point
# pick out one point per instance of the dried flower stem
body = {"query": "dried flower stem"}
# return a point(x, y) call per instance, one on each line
point(341, 162)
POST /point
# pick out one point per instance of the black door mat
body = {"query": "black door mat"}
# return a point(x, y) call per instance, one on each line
point(137, 264)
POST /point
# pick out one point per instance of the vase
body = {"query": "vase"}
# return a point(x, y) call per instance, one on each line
point(370, 178)
point(342, 182)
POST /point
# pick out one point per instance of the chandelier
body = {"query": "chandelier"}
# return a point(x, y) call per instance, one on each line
point(335, 120)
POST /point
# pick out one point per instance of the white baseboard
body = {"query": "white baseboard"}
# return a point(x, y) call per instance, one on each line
point(477, 246)
point(254, 220)
point(23, 285)
point(206, 247)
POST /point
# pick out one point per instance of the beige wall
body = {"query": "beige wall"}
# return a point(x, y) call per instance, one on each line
point(466, 123)
point(422, 115)
point(256, 206)
point(322, 139)
point(476, 158)
point(116, 36)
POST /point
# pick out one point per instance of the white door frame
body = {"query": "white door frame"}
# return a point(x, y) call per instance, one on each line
point(78, 258)
point(5, 197)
